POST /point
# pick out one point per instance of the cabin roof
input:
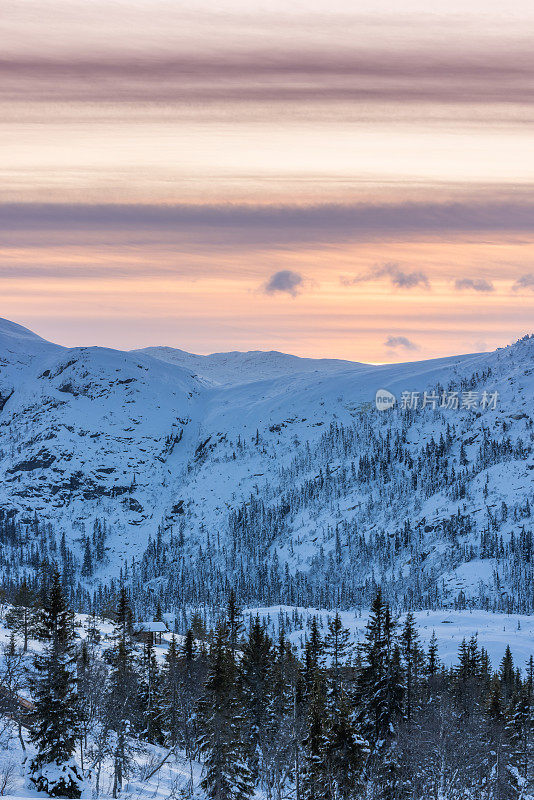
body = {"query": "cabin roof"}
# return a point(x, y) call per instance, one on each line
point(150, 626)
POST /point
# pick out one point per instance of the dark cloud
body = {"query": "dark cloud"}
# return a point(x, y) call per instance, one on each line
point(274, 225)
point(274, 76)
point(398, 277)
point(524, 282)
point(476, 284)
point(285, 281)
point(400, 341)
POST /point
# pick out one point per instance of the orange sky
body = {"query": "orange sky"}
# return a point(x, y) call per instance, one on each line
point(305, 178)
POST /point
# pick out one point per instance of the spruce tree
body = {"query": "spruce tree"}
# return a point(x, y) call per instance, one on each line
point(256, 676)
point(285, 733)
point(87, 566)
point(91, 680)
point(234, 621)
point(222, 742)
point(13, 680)
point(500, 780)
point(380, 695)
point(520, 734)
point(507, 674)
point(313, 653)
point(412, 658)
point(171, 703)
point(21, 615)
point(122, 706)
point(193, 666)
point(55, 720)
point(84, 695)
point(432, 664)
point(374, 654)
point(385, 766)
point(150, 697)
point(93, 634)
point(345, 750)
point(316, 779)
point(336, 649)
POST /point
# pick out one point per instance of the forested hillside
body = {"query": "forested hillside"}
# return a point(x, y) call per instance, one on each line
point(87, 708)
point(295, 489)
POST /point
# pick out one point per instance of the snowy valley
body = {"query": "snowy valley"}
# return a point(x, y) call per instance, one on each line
point(294, 488)
point(158, 485)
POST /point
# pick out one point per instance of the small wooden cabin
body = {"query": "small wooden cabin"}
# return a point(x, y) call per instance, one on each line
point(149, 632)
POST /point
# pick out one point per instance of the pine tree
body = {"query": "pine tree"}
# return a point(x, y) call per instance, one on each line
point(520, 734)
point(336, 649)
point(313, 653)
point(55, 721)
point(20, 617)
point(507, 674)
point(256, 676)
point(13, 680)
point(412, 657)
point(171, 703)
point(150, 697)
point(345, 750)
point(316, 779)
point(222, 742)
point(380, 695)
point(500, 781)
point(432, 665)
point(122, 708)
point(234, 621)
point(87, 566)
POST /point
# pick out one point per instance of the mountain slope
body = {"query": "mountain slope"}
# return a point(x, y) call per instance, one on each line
point(89, 431)
point(227, 369)
point(295, 487)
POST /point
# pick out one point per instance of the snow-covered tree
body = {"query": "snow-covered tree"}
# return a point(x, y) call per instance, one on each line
point(227, 775)
point(55, 720)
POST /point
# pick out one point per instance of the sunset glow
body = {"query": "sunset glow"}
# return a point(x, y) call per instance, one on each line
point(164, 162)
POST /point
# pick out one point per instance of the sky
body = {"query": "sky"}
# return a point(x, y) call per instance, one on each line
point(329, 179)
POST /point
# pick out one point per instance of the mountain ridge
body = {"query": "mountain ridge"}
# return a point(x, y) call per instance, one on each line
point(297, 474)
point(233, 367)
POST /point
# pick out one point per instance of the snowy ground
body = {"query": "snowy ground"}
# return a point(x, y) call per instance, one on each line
point(494, 631)
point(169, 782)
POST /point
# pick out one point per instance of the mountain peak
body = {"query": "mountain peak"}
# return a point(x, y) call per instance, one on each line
point(13, 329)
point(236, 367)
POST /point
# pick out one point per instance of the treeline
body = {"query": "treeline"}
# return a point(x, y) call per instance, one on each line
point(342, 515)
point(382, 720)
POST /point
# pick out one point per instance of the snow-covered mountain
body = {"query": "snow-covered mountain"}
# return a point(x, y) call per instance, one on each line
point(226, 369)
point(187, 476)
